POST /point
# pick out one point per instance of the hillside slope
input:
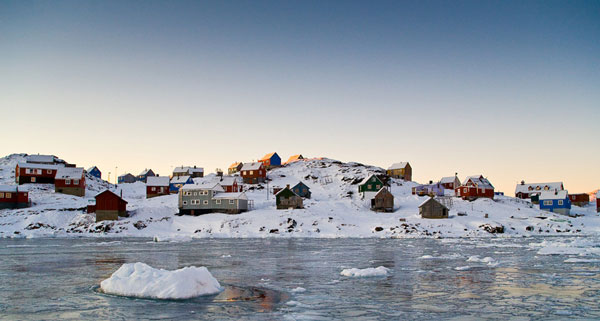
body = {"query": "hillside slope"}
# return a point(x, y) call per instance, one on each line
point(335, 210)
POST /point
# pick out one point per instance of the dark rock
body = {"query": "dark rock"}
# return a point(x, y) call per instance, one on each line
point(140, 225)
point(529, 228)
point(378, 229)
point(274, 231)
point(492, 229)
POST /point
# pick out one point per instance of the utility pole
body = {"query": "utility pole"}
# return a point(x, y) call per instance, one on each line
point(108, 180)
point(116, 176)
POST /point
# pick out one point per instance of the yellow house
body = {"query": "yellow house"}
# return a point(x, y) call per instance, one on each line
point(400, 170)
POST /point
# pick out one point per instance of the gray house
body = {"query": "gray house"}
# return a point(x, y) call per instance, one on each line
point(431, 208)
point(197, 199)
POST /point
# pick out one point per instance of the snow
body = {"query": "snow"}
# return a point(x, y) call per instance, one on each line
point(554, 195)
point(334, 210)
point(69, 173)
point(251, 166)
point(12, 188)
point(142, 281)
point(479, 181)
point(368, 272)
point(298, 290)
point(398, 165)
point(39, 166)
point(180, 179)
point(448, 179)
point(538, 187)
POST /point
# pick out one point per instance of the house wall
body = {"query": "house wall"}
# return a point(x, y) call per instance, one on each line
point(14, 200)
point(238, 206)
point(565, 208)
point(38, 176)
point(471, 192)
point(158, 191)
point(373, 185)
point(106, 215)
point(434, 210)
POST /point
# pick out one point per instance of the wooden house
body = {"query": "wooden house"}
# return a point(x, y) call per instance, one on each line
point(371, 183)
point(188, 171)
point(230, 184)
point(127, 178)
point(197, 199)
point(271, 160)
point(178, 181)
point(555, 202)
point(301, 190)
point(382, 201)
point(234, 168)
point(44, 159)
point(450, 182)
point(286, 199)
point(581, 199)
point(253, 173)
point(525, 191)
point(157, 186)
point(35, 173)
point(142, 177)
point(70, 180)
point(400, 170)
point(475, 187)
point(294, 159)
point(13, 196)
point(431, 208)
point(432, 189)
point(109, 206)
point(94, 171)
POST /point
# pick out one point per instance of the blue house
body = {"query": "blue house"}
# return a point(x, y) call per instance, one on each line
point(143, 176)
point(436, 189)
point(127, 178)
point(178, 181)
point(271, 160)
point(301, 190)
point(555, 202)
point(94, 171)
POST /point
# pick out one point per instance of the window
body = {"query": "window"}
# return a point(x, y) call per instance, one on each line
point(251, 172)
point(377, 186)
point(162, 189)
point(27, 171)
point(195, 194)
point(184, 202)
point(8, 195)
point(259, 172)
point(548, 203)
point(231, 201)
point(466, 190)
point(373, 179)
point(244, 173)
point(1, 195)
point(153, 189)
point(75, 182)
point(560, 202)
point(49, 171)
point(218, 201)
point(369, 186)
point(205, 202)
point(38, 171)
point(33, 179)
point(67, 182)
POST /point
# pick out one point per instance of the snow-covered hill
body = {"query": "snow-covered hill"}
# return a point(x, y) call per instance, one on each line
point(335, 210)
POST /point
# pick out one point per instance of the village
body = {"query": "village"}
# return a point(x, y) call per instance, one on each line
point(227, 193)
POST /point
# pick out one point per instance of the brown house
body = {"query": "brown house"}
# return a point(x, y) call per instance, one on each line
point(254, 173)
point(400, 170)
point(109, 206)
point(581, 199)
point(286, 198)
point(70, 180)
point(431, 208)
point(35, 173)
point(383, 201)
point(157, 186)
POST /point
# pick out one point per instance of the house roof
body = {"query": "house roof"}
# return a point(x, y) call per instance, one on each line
point(109, 191)
point(39, 166)
point(157, 181)
point(448, 179)
point(188, 169)
point(91, 169)
point(252, 166)
point(227, 180)
point(268, 156)
point(234, 165)
point(294, 158)
point(128, 174)
point(431, 199)
point(42, 158)
point(301, 184)
point(398, 165)
point(383, 190)
point(524, 188)
point(69, 173)
point(204, 186)
point(12, 188)
point(286, 188)
point(180, 179)
point(145, 172)
point(552, 195)
point(241, 195)
point(366, 179)
point(480, 181)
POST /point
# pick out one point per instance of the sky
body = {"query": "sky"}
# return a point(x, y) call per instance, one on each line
point(507, 89)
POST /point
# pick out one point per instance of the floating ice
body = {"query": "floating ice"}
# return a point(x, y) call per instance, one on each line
point(488, 260)
point(378, 271)
point(298, 289)
point(143, 281)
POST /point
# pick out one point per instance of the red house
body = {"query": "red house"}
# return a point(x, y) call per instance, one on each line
point(450, 182)
point(581, 199)
point(70, 180)
point(35, 173)
point(254, 173)
point(109, 206)
point(475, 187)
point(157, 186)
point(598, 201)
point(230, 184)
point(11, 196)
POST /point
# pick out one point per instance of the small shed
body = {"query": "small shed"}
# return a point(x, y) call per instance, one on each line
point(271, 160)
point(431, 208)
point(94, 171)
point(286, 198)
point(301, 190)
point(109, 206)
point(127, 178)
point(383, 201)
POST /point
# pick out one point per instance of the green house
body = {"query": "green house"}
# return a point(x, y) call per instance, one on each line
point(286, 198)
point(370, 184)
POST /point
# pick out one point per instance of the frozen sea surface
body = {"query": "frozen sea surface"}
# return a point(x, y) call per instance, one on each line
point(427, 279)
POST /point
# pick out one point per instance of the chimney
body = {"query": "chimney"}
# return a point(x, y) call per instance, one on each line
point(121, 193)
point(522, 182)
point(430, 182)
point(287, 185)
point(194, 166)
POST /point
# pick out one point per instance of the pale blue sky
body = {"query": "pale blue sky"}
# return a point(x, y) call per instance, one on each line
point(509, 89)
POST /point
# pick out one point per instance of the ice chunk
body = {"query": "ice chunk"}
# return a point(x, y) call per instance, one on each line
point(143, 281)
point(298, 289)
point(378, 271)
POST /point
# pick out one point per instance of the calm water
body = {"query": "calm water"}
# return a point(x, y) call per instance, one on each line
point(57, 278)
